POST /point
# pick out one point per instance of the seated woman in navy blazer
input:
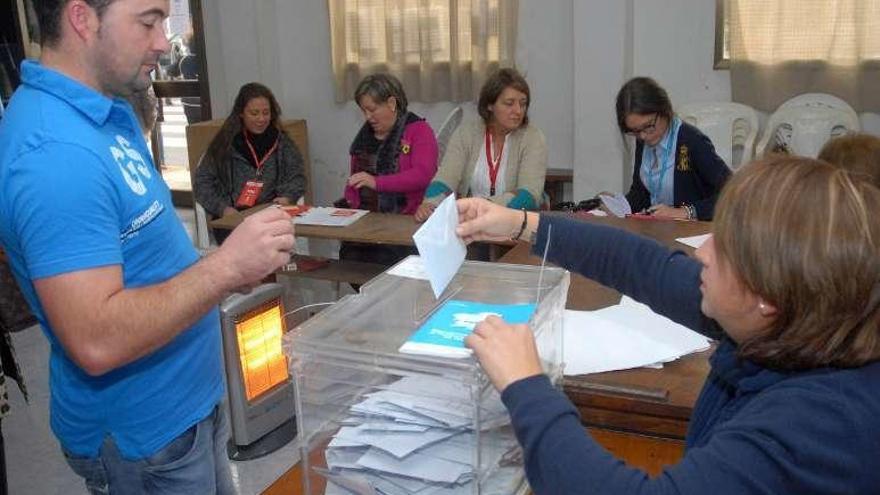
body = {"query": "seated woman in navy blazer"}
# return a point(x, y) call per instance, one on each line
point(676, 173)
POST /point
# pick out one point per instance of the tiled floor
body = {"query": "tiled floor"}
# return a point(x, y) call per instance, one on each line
point(34, 462)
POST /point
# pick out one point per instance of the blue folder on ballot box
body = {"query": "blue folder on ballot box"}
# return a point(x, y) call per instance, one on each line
point(444, 332)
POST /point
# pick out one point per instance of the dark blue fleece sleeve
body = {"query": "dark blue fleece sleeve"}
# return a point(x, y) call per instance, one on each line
point(774, 446)
point(667, 281)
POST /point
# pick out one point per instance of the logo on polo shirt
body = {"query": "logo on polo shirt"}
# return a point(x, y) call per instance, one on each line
point(132, 165)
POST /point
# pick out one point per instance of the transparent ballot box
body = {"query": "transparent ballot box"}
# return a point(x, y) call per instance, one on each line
point(375, 420)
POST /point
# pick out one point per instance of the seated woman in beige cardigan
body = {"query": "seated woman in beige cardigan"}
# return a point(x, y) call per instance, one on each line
point(501, 157)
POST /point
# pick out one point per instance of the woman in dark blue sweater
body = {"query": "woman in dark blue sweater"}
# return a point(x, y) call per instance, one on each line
point(676, 173)
point(791, 404)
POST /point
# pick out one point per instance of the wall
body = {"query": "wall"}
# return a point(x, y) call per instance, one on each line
point(602, 61)
point(286, 45)
point(576, 56)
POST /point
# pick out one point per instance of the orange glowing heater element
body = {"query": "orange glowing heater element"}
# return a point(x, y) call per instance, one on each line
point(263, 364)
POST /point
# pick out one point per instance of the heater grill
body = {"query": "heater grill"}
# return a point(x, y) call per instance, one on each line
point(260, 388)
point(263, 364)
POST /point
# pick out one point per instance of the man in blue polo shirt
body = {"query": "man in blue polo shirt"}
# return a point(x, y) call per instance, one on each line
point(93, 238)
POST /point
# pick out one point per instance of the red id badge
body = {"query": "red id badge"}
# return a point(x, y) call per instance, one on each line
point(249, 193)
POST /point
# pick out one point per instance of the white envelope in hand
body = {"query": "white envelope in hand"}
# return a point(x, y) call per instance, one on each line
point(441, 249)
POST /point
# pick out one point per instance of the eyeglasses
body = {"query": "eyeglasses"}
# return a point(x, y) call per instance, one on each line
point(646, 129)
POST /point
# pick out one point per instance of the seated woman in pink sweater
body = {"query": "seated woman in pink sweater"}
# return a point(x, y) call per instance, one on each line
point(393, 159)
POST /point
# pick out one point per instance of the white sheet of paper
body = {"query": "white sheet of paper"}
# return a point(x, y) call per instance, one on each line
point(344, 457)
point(350, 482)
point(442, 251)
point(660, 328)
point(416, 465)
point(344, 443)
point(410, 485)
point(379, 407)
point(390, 426)
point(694, 241)
point(397, 443)
point(460, 448)
point(329, 216)
point(616, 204)
point(625, 336)
point(411, 267)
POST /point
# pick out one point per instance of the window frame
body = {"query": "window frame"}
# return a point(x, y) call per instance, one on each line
point(721, 37)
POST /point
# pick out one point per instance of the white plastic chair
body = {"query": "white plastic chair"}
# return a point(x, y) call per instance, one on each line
point(728, 125)
point(803, 124)
point(447, 128)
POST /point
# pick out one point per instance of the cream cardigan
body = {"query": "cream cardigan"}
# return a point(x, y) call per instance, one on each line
point(526, 163)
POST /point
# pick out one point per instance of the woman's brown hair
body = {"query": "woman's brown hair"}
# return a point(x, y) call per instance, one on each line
point(858, 153)
point(218, 151)
point(495, 85)
point(803, 235)
point(641, 96)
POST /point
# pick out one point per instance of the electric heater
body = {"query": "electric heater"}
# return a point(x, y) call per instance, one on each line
point(260, 389)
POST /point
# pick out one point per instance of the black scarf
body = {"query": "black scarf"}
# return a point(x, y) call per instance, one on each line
point(386, 152)
point(262, 143)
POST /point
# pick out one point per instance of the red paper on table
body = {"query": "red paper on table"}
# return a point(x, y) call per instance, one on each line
point(296, 210)
point(343, 213)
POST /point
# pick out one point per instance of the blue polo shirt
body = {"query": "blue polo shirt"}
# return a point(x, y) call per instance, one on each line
point(78, 190)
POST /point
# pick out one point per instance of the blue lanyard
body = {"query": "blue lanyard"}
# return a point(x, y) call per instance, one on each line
point(656, 174)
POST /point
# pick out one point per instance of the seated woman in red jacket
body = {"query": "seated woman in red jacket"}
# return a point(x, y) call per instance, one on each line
point(790, 285)
point(393, 158)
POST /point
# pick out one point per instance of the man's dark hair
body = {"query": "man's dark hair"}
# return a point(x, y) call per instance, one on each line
point(49, 17)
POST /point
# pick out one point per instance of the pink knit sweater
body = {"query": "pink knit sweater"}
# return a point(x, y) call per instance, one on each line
point(416, 165)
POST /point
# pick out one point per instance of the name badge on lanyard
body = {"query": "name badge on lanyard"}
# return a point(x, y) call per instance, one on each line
point(493, 164)
point(249, 194)
point(252, 188)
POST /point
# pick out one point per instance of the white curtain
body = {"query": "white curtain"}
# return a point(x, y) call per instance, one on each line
point(782, 48)
point(441, 50)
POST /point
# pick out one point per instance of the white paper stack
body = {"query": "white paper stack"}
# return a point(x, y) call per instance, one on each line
point(329, 217)
point(398, 441)
point(628, 335)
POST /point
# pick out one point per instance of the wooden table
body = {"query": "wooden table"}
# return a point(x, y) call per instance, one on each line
point(641, 415)
point(372, 228)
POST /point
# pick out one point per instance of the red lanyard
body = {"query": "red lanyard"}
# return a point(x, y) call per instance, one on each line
point(260, 162)
point(493, 165)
